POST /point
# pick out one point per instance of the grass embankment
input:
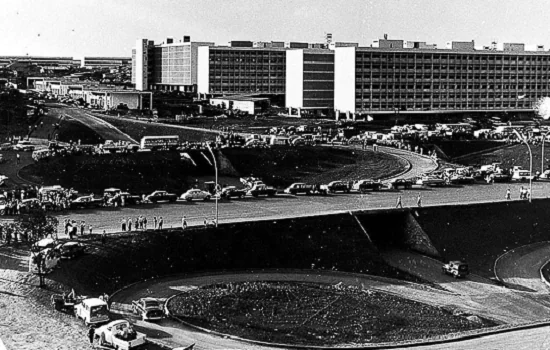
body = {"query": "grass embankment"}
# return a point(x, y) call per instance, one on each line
point(510, 156)
point(281, 166)
point(330, 242)
point(138, 129)
point(310, 314)
point(481, 233)
point(453, 149)
point(144, 172)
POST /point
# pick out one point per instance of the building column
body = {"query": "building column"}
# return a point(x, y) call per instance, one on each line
point(353, 116)
point(347, 115)
point(151, 101)
point(337, 114)
point(289, 110)
point(299, 113)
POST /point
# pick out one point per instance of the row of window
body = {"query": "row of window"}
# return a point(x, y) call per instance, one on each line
point(423, 57)
point(470, 87)
point(441, 106)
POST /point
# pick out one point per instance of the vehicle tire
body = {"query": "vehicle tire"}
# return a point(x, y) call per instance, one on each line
point(308, 193)
point(255, 195)
point(188, 199)
point(207, 198)
point(271, 194)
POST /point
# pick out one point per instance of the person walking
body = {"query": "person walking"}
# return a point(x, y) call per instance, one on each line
point(123, 225)
point(399, 202)
point(161, 221)
point(90, 228)
point(91, 332)
point(183, 223)
point(18, 158)
point(82, 227)
point(521, 193)
point(129, 224)
point(136, 223)
point(103, 237)
point(508, 194)
point(145, 222)
point(419, 200)
point(155, 222)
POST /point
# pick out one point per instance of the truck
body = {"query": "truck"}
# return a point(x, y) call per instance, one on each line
point(118, 334)
point(456, 268)
point(149, 309)
point(92, 311)
point(262, 190)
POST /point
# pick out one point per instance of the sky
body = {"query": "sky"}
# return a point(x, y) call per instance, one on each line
point(77, 28)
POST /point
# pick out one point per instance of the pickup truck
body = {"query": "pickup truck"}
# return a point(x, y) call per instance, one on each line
point(262, 190)
point(161, 196)
point(119, 335)
point(149, 309)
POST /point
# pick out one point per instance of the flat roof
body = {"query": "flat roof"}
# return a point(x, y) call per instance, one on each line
point(449, 51)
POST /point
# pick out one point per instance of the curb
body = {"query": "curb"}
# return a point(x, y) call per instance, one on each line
point(542, 277)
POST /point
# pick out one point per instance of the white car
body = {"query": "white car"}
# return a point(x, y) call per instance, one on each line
point(195, 194)
point(92, 311)
point(5, 146)
point(149, 309)
point(522, 175)
point(119, 335)
point(23, 146)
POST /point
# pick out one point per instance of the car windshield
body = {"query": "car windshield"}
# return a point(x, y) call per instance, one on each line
point(151, 303)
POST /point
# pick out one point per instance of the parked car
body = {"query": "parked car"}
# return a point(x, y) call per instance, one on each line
point(233, 192)
point(149, 309)
point(522, 175)
point(299, 188)
point(400, 183)
point(196, 194)
point(71, 250)
point(25, 146)
point(430, 181)
point(124, 197)
point(118, 334)
point(456, 268)
point(161, 196)
point(86, 202)
point(337, 186)
point(365, 185)
point(262, 190)
point(6, 146)
point(92, 311)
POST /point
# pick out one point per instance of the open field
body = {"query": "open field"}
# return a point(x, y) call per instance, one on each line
point(510, 156)
point(312, 314)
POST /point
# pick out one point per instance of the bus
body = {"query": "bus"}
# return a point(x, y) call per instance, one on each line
point(159, 142)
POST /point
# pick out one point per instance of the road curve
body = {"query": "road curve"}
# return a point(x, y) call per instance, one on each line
point(521, 266)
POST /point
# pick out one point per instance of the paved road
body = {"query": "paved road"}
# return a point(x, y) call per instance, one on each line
point(521, 266)
point(286, 206)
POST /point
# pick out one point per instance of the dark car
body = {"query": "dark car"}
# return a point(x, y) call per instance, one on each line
point(70, 250)
point(161, 196)
point(86, 202)
point(233, 192)
point(129, 199)
point(337, 186)
point(401, 183)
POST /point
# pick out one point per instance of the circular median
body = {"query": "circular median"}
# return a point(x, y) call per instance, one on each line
point(311, 314)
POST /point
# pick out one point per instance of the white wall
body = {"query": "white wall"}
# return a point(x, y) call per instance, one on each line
point(294, 95)
point(203, 69)
point(344, 79)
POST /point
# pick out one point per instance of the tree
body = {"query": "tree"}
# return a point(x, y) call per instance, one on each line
point(542, 107)
point(36, 225)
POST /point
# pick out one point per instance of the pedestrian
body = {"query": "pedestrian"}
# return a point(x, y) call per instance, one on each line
point(18, 158)
point(90, 228)
point(123, 225)
point(419, 200)
point(205, 223)
point(155, 222)
point(508, 194)
point(129, 224)
point(91, 332)
point(528, 193)
point(521, 193)
point(82, 226)
point(399, 202)
point(70, 230)
point(183, 223)
point(136, 223)
point(103, 237)
point(145, 222)
point(161, 221)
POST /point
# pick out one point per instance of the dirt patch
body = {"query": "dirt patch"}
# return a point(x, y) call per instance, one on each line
point(311, 314)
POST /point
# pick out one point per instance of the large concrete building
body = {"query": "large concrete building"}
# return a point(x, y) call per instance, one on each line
point(389, 77)
point(238, 70)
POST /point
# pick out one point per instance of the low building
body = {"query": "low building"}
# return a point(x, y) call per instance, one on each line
point(251, 105)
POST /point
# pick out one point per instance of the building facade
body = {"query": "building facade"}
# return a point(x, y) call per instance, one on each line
point(370, 80)
point(238, 70)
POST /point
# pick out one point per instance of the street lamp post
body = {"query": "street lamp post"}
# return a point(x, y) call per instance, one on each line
point(542, 154)
point(530, 163)
point(216, 186)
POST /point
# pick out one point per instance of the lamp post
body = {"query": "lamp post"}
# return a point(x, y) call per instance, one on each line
point(542, 154)
point(216, 186)
point(522, 138)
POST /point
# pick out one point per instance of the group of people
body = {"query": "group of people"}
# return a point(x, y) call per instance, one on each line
point(72, 228)
point(140, 223)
